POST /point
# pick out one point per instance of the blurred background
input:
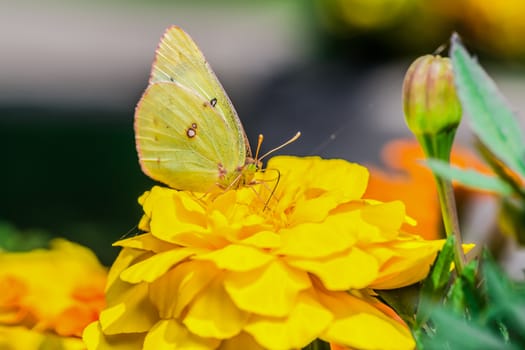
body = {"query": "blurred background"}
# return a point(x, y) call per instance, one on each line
point(71, 73)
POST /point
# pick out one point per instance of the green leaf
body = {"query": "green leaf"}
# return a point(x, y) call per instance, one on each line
point(469, 178)
point(464, 297)
point(506, 298)
point(435, 284)
point(511, 220)
point(454, 332)
point(492, 118)
point(14, 240)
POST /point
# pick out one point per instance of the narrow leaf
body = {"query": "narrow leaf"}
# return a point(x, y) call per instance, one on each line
point(434, 285)
point(492, 118)
point(463, 297)
point(508, 300)
point(469, 178)
point(453, 330)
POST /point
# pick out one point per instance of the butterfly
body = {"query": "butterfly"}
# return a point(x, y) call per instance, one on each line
point(187, 132)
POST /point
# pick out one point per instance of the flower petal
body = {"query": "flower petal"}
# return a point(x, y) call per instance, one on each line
point(387, 216)
point(263, 239)
point(240, 341)
point(269, 291)
point(152, 268)
point(212, 314)
point(125, 258)
point(95, 339)
point(353, 269)
point(359, 325)
point(145, 241)
point(184, 281)
point(169, 334)
point(306, 321)
point(406, 262)
point(312, 240)
point(236, 257)
point(130, 310)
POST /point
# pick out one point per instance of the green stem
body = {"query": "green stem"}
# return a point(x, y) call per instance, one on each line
point(450, 219)
point(439, 146)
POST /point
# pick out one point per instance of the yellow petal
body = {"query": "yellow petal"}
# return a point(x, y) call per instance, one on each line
point(306, 321)
point(263, 239)
point(316, 240)
point(213, 314)
point(353, 269)
point(125, 258)
point(359, 325)
point(347, 179)
point(312, 210)
point(42, 287)
point(166, 206)
point(236, 257)
point(270, 290)
point(145, 241)
point(240, 341)
point(388, 217)
point(184, 281)
point(169, 334)
point(22, 338)
point(130, 310)
point(152, 268)
point(96, 340)
point(407, 262)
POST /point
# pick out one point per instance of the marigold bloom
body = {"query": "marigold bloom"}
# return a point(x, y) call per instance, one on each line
point(49, 294)
point(409, 180)
point(252, 269)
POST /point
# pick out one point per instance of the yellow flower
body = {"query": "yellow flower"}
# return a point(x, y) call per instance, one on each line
point(49, 296)
point(22, 338)
point(256, 269)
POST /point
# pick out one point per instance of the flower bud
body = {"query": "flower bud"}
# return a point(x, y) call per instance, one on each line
point(430, 102)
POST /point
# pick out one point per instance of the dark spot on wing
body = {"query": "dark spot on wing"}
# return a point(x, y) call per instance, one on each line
point(191, 132)
point(222, 170)
point(213, 102)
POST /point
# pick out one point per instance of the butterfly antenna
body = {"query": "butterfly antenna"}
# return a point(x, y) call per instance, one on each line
point(293, 139)
point(273, 189)
point(259, 143)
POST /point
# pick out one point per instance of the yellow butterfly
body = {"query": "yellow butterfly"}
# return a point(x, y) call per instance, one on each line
point(187, 132)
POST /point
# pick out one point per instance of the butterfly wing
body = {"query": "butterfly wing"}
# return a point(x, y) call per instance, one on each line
point(178, 59)
point(182, 140)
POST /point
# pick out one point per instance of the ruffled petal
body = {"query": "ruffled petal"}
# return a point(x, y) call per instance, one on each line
point(169, 334)
point(185, 281)
point(130, 310)
point(354, 269)
point(152, 268)
point(240, 341)
point(212, 314)
point(359, 325)
point(235, 257)
point(306, 321)
point(270, 291)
